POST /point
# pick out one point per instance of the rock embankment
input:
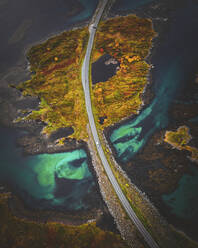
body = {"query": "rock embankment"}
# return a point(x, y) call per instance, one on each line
point(127, 229)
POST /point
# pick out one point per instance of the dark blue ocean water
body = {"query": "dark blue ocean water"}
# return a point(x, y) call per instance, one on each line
point(40, 177)
point(126, 5)
point(46, 180)
point(36, 20)
point(175, 61)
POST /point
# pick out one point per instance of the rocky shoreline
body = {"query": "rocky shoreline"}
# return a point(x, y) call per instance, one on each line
point(31, 139)
point(167, 177)
point(35, 143)
point(125, 226)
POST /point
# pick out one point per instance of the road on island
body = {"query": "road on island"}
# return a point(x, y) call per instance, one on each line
point(85, 83)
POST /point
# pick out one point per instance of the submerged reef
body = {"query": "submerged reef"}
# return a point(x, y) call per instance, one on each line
point(128, 40)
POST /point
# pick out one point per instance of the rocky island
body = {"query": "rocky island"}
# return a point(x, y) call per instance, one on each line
point(51, 114)
point(127, 40)
point(180, 139)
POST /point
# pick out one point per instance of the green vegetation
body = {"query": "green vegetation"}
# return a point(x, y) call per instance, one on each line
point(165, 235)
point(179, 139)
point(15, 232)
point(56, 66)
point(128, 40)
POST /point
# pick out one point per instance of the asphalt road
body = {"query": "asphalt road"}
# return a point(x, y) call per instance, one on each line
point(85, 82)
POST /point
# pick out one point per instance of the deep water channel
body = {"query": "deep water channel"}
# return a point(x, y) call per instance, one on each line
point(175, 60)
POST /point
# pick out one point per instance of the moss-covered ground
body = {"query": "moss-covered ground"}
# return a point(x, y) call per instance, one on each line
point(15, 232)
point(127, 39)
point(55, 66)
point(179, 139)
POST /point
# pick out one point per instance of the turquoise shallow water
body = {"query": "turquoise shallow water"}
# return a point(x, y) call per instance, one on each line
point(183, 201)
point(175, 61)
point(46, 180)
point(129, 138)
point(38, 176)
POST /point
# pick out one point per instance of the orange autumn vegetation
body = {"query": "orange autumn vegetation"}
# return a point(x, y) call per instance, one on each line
point(179, 139)
point(127, 39)
point(56, 66)
point(15, 233)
